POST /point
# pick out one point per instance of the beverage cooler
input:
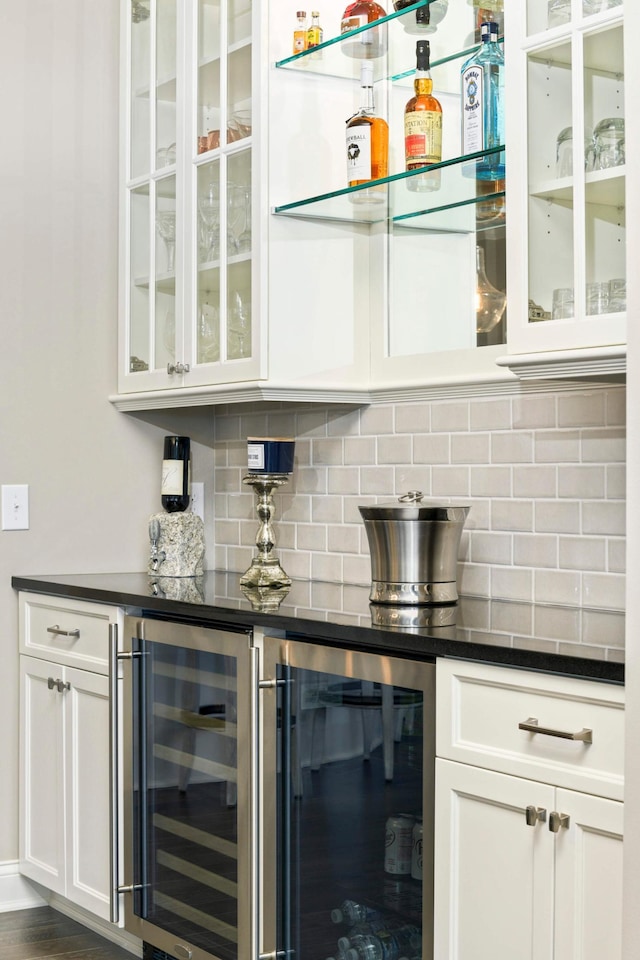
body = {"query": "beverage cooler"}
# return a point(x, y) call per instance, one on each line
point(279, 797)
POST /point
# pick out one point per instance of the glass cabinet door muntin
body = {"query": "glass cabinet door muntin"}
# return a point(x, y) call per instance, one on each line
point(187, 776)
point(322, 843)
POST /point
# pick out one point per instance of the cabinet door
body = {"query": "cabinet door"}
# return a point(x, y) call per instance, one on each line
point(565, 115)
point(493, 872)
point(588, 899)
point(41, 774)
point(86, 707)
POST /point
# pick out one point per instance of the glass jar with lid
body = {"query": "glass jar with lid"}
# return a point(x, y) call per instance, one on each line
point(609, 143)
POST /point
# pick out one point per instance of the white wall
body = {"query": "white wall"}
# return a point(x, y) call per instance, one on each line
point(93, 473)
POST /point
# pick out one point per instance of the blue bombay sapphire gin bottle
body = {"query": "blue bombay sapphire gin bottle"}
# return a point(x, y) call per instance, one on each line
point(483, 105)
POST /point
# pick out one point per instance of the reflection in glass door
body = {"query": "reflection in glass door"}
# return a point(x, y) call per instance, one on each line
point(354, 757)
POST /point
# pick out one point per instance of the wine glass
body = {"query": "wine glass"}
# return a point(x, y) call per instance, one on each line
point(208, 333)
point(166, 226)
point(209, 209)
point(244, 240)
point(235, 211)
point(239, 338)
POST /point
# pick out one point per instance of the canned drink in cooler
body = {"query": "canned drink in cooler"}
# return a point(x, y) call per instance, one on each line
point(416, 851)
point(398, 844)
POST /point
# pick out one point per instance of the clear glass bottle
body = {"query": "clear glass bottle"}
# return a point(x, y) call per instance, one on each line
point(370, 43)
point(300, 32)
point(367, 141)
point(423, 125)
point(483, 105)
point(314, 32)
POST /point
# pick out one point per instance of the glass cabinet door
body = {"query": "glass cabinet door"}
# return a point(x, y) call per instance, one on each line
point(575, 229)
point(220, 330)
point(152, 208)
point(352, 845)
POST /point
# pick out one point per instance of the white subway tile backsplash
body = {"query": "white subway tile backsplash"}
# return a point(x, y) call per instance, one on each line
point(470, 448)
point(581, 409)
point(532, 412)
point(582, 553)
point(544, 474)
point(516, 447)
point(535, 482)
point(394, 449)
point(512, 515)
point(557, 446)
point(490, 482)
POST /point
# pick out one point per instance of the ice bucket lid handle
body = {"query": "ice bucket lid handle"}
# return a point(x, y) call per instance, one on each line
point(413, 496)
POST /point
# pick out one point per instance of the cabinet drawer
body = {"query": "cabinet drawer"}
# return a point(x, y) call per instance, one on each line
point(71, 632)
point(479, 709)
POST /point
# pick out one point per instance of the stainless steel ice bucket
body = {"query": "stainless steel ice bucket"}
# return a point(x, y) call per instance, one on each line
point(414, 549)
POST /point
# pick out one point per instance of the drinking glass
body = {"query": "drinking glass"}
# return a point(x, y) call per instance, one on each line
point(609, 143)
point(208, 333)
point(244, 240)
point(166, 227)
point(558, 11)
point(239, 335)
point(617, 295)
point(564, 153)
point(597, 298)
point(562, 305)
point(209, 210)
point(235, 211)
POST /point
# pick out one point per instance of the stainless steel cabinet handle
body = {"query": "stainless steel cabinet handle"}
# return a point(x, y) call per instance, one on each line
point(57, 632)
point(535, 815)
point(558, 820)
point(60, 685)
point(532, 726)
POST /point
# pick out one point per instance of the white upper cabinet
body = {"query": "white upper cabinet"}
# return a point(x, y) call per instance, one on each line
point(567, 253)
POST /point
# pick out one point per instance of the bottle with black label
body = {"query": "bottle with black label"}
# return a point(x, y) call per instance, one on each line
point(175, 489)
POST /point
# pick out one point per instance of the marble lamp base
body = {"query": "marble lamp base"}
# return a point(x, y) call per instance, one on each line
point(177, 545)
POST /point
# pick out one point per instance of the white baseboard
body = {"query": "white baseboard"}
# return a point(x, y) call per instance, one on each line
point(107, 930)
point(16, 892)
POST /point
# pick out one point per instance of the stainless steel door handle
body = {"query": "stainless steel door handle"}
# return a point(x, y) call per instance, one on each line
point(57, 632)
point(558, 820)
point(59, 685)
point(532, 726)
point(534, 815)
point(114, 827)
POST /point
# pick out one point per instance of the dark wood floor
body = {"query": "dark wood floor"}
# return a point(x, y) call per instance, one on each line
point(44, 934)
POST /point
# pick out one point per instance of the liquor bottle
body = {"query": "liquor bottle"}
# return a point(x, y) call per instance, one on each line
point(175, 488)
point(425, 19)
point(300, 32)
point(423, 126)
point(368, 44)
point(483, 105)
point(314, 32)
point(367, 142)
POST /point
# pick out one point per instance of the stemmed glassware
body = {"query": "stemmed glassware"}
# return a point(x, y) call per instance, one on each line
point(166, 226)
point(235, 211)
point(244, 240)
point(239, 340)
point(209, 210)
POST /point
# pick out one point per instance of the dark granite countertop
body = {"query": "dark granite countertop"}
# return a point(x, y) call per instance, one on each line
point(566, 640)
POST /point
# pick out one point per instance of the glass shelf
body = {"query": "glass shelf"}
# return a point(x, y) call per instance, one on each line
point(393, 198)
point(448, 42)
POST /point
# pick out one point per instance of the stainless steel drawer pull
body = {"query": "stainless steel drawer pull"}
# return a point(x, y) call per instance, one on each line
point(558, 820)
point(56, 631)
point(532, 726)
point(535, 815)
point(60, 685)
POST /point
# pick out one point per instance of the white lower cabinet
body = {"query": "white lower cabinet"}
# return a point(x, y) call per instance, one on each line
point(66, 811)
point(64, 838)
point(524, 868)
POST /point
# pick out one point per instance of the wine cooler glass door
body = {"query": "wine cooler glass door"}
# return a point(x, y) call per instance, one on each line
point(354, 811)
point(189, 797)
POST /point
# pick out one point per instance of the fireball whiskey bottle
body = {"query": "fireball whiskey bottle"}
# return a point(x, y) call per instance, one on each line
point(423, 126)
point(367, 142)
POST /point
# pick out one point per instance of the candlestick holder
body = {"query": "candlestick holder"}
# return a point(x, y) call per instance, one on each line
point(265, 569)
